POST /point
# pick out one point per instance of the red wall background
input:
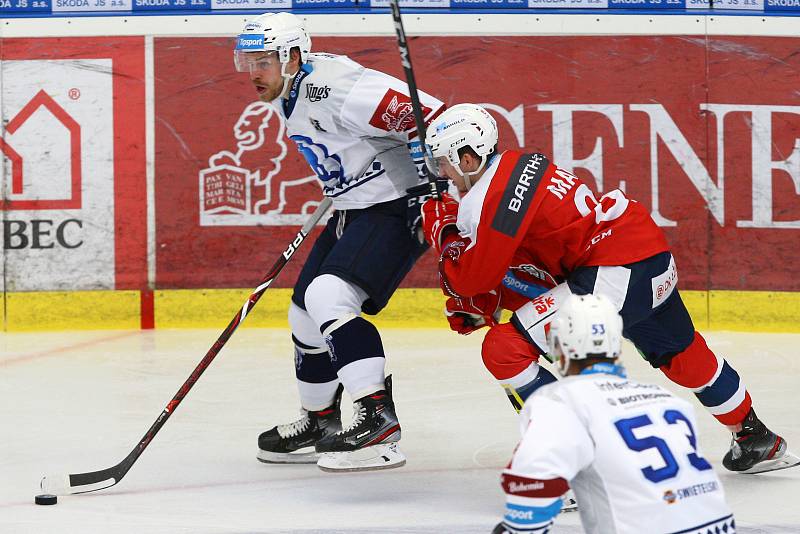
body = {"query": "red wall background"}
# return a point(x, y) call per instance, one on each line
point(130, 198)
point(199, 98)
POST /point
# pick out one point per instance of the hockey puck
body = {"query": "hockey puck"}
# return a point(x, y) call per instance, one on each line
point(46, 498)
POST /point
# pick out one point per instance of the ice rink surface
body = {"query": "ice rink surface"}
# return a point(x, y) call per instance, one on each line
point(80, 401)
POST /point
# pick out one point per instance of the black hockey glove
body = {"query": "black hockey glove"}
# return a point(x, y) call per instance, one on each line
point(416, 197)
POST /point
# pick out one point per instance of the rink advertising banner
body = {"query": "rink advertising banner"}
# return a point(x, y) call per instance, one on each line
point(705, 132)
point(73, 199)
point(65, 7)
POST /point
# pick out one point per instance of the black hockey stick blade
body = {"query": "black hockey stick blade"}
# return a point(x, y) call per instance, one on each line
point(87, 482)
point(105, 478)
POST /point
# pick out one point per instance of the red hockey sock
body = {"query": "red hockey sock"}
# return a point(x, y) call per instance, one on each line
point(715, 383)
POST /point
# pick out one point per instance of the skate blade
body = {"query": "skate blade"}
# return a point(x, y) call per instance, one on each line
point(568, 502)
point(287, 457)
point(383, 456)
point(776, 464)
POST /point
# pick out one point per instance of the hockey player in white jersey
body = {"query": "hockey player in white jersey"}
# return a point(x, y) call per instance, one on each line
point(355, 127)
point(628, 450)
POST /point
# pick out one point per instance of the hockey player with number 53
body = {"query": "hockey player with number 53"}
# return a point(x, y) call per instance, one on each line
point(355, 128)
point(627, 449)
point(524, 225)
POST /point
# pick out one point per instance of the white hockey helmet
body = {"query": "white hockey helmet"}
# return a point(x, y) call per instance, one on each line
point(463, 125)
point(279, 32)
point(586, 326)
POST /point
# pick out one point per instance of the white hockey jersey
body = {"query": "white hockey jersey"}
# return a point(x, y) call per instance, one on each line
point(629, 452)
point(353, 126)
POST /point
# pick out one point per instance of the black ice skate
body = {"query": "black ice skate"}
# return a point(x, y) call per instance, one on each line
point(370, 441)
point(294, 443)
point(756, 449)
point(568, 502)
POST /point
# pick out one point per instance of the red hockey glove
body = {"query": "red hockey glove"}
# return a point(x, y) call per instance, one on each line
point(415, 198)
point(438, 215)
point(467, 314)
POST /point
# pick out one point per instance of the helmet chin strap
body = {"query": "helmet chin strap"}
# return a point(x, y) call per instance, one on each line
point(468, 175)
point(287, 79)
point(467, 180)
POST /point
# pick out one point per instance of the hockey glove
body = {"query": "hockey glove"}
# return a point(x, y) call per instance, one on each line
point(467, 314)
point(439, 217)
point(416, 197)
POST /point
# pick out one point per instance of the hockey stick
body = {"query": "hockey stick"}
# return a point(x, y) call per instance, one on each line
point(419, 119)
point(105, 478)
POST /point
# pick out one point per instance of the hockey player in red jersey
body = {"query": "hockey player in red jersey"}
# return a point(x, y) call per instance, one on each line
point(526, 234)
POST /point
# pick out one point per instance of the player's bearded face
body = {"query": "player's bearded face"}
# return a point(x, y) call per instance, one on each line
point(265, 74)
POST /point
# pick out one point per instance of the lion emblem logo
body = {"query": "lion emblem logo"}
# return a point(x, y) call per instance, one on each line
point(243, 187)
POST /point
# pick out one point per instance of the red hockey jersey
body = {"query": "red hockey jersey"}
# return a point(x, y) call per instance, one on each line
point(528, 219)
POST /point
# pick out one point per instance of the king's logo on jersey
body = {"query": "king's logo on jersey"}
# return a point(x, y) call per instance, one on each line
point(314, 93)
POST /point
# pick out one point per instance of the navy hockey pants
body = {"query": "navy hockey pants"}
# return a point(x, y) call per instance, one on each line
point(653, 314)
point(371, 248)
